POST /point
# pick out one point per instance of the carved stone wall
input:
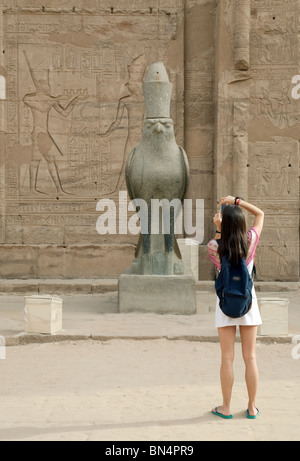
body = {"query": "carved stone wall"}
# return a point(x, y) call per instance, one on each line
point(74, 110)
point(257, 122)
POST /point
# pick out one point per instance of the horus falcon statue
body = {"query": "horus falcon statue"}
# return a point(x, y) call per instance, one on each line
point(157, 169)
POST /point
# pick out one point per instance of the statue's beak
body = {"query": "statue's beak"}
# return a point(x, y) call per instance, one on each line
point(159, 128)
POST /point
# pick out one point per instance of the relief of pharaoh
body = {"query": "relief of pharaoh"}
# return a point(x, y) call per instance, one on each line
point(41, 102)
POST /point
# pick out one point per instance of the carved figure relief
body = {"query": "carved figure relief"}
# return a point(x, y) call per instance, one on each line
point(273, 182)
point(43, 145)
point(274, 170)
point(134, 105)
point(274, 61)
point(278, 107)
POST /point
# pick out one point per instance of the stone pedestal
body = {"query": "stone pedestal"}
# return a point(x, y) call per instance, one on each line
point(274, 314)
point(189, 250)
point(43, 314)
point(166, 294)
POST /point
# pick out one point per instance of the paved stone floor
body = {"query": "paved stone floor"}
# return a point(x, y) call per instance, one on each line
point(97, 315)
point(110, 376)
point(155, 390)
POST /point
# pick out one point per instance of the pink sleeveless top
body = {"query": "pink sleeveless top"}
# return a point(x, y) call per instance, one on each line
point(253, 239)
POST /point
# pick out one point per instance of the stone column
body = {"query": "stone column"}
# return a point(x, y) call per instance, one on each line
point(232, 95)
point(242, 34)
point(240, 149)
point(242, 98)
point(223, 104)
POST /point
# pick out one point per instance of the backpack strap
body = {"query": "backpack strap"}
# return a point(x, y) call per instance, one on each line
point(254, 272)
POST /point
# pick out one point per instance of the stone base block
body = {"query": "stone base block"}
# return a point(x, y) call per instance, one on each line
point(166, 294)
point(43, 314)
point(274, 314)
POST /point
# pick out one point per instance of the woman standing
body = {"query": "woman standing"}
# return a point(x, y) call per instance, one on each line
point(233, 239)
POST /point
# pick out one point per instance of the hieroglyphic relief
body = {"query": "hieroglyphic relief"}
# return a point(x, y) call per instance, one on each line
point(90, 50)
point(271, 96)
point(77, 148)
point(199, 87)
point(274, 61)
point(75, 109)
point(274, 186)
point(274, 169)
point(282, 261)
point(274, 165)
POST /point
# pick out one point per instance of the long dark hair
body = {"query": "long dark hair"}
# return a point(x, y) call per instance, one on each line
point(233, 242)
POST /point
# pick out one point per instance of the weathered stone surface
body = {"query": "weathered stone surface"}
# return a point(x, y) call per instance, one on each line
point(58, 286)
point(65, 262)
point(274, 186)
point(242, 34)
point(189, 250)
point(275, 318)
point(257, 145)
point(74, 110)
point(166, 294)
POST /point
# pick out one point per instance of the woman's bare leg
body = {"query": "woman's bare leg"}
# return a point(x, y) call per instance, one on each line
point(227, 338)
point(248, 337)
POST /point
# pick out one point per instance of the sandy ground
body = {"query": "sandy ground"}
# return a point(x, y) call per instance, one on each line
point(152, 390)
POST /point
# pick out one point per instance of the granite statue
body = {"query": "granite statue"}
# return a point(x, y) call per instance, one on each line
point(158, 169)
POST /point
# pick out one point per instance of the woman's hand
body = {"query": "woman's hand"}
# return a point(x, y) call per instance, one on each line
point(259, 214)
point(229, 200)
point(218, 220)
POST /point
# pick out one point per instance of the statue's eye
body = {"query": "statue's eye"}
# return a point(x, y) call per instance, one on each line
point(168, 125)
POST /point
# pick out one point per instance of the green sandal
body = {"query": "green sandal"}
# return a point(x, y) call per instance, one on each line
point(217, 413)
point(252, 417)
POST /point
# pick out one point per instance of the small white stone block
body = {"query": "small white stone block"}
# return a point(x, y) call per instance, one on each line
point(189, 250)
point(274, 314)
point(43, 314)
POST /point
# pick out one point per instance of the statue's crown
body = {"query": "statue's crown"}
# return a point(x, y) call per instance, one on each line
point(157, 91)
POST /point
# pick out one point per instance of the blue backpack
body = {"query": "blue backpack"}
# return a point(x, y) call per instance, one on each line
point(234, 289)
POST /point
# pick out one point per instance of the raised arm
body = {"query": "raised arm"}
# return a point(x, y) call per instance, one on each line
point(116, 123)
point(257, 212)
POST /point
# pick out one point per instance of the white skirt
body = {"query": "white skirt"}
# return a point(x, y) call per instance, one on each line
point(251, 318)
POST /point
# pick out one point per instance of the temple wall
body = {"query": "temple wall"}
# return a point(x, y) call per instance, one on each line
point(257, 123)
point(73, 111)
